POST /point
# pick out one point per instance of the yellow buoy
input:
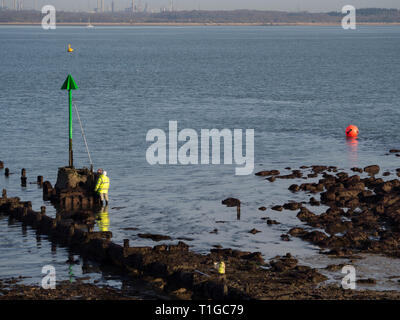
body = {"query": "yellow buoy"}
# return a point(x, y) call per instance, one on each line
point(70, 49)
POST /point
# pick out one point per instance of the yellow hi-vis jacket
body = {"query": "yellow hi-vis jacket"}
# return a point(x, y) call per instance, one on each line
point(103, 184)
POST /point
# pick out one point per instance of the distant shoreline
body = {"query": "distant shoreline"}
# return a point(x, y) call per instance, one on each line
point(181, 24)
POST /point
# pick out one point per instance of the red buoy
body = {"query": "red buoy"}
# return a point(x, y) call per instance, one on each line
point(352, 131)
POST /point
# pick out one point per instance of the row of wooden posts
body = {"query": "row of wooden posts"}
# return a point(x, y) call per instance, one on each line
point(24, 179)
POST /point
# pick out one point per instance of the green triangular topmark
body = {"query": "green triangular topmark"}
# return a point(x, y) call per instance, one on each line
point(69, 84)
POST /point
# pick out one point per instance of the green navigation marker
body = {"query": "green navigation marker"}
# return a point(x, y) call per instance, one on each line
point(70, 85)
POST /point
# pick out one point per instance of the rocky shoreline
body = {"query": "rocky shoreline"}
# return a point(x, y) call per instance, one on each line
point(363, 216)
point(11, 289)
point(182, 274)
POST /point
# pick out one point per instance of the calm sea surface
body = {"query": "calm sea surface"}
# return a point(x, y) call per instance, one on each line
point(297, 87)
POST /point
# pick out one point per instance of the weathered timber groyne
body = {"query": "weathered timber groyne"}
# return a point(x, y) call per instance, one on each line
point(175, 265)
point(175, 269)
point(73, 190)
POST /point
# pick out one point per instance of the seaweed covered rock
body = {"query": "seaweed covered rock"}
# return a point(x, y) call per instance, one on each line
point(74, 189)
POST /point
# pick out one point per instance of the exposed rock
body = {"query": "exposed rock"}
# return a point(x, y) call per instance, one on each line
point(288, 176)
point(316, 237)
point(294, 188)
point(292, 206)
point(297, 173)
point(231, 202)
point(314, 202)
point(154, 237)
point(285, 237)
point(335, 267)
point(366, 281)
point(372, 170)
point(319, 169)
point(268, 173)
point(283, 263)
point(306, 215)
point(65, 290)
point(69, 178)
point(297, 232)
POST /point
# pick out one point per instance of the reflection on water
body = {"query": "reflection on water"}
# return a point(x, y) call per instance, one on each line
point(22, 256)
point(352, 150)
point(38, 241)
point(102, 219)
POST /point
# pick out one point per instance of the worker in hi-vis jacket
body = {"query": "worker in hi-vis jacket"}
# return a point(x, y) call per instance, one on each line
point(102, 186)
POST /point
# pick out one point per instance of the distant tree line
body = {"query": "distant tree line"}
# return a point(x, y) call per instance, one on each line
point(197, 16)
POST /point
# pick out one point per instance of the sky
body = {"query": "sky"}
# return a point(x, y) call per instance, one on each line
point(283, 5)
